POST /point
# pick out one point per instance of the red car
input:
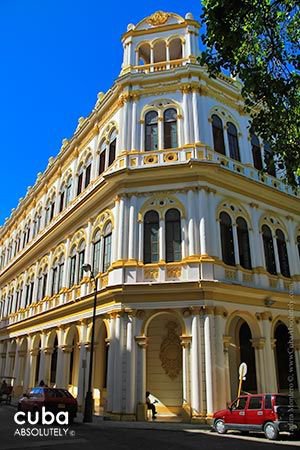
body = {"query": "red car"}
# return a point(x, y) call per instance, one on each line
point(53, 399)
point(270, 413)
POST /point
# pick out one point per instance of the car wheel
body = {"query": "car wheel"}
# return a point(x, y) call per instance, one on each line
point(220, 426)
point(271, 431)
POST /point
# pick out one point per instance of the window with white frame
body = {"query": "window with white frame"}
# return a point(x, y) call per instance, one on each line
point(76, 262)
point(65, 194)
point(84, 175)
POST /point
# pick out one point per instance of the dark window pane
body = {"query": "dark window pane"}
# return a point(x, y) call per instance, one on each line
point(96, 256)
point(173, 235)
point(79, 183)
point(112, 152)
point(151, 131)
point(269, 160)
point(106, 252)
point(227, 239)
point(282, 253)
point(247, 355)
point(218, 134)
point(72, 270)
point(170, 128)
point(102, 162)
point(256, 152)
point(151, 228)
point(243, 241)
point(255, 403)
point(269, 250)
point(87, 175)
point(233, 142)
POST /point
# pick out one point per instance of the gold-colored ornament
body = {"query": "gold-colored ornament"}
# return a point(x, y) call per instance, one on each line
point(171, 352)
point(158, 18)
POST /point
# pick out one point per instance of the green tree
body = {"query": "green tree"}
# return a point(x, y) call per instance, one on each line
point(258, 40)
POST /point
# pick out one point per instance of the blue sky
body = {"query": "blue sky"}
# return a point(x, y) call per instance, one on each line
point(56, 55)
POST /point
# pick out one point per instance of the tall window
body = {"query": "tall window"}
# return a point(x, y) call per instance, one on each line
point(256, 152)
point(151, 229)
point(102, 160)
point(84, 176)
point(282, 254)
point(298, 244)
point(42, 284)
point(218, 134)
point(243, 241)
point(65, 194)
point(72, 275)
point(173, 235)
point(227, 239)
point(107, 247)
point(87, 175)
point(49, 211)
point(151, 131)
point(269, 250)
point(80, 182)
point(57, 276)
point(96, 252)
point(54, 361)
point(269, 160)
point(37, 223)
point(112, 151)
point(233, 141)
point(80, 262)
point(170, 128)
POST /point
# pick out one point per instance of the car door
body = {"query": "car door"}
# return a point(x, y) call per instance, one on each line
point(254, 414)
point(236, 413)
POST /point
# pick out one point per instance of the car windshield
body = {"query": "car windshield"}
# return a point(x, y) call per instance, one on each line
point(284, 400)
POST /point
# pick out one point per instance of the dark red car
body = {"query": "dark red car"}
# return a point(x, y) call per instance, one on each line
point(53, 399)
point(270, 413)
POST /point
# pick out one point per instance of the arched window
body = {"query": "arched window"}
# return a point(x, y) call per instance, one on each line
point(49, 210)
point(282, 254)
point(36, 224)
point(57, 275)
point(84, 176)
point(151, 131)
point(170, 128)
point(233, 141)
point(42, 283)
point(81, 252)
point(151, 229)
point(72, 273)
point(107, 247)
point(159, 52)
point(65, 194)
point(102, 158)
point(112, 149)
point(269, 160)
point(173, 235)
point(243, 241)
point(256, 152)
point(227, 239)
point(175, 49)
point(29, 292)
point(218, 134)
point(76, 262)
point(19, 297)
point(144, 54)
point(269, 250)
point(96, 252)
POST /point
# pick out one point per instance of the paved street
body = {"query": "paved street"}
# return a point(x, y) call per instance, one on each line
point(128, 436)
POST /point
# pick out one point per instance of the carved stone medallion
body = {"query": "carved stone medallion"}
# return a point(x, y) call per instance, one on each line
point(171, 352)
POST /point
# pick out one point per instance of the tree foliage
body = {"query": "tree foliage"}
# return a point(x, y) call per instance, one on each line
point(258, 41)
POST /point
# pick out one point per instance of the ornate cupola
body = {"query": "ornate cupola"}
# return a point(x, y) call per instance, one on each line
point(160, 42)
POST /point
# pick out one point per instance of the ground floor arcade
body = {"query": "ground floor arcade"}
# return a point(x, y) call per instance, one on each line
point(188, 358)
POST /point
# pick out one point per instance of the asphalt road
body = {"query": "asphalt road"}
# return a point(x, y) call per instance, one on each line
point(116, 436)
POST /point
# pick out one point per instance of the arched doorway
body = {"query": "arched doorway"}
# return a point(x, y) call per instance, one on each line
point(285, 358)
point(164, 364)
point(100, 366)
point(241, 350)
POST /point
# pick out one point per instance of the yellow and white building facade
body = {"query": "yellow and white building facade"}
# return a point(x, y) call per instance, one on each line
point(195, 250)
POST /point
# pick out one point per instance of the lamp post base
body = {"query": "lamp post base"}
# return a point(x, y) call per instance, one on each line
point(88, 407)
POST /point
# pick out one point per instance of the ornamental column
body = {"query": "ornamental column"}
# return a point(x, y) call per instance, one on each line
point(186, 345)
point(186, 119)
point(235, 244)
point(141, 385)
point(196, 366)
point(191, 222)
point(292, 247)
point(134, 124)
point(203, 221)
point(258, 344)
point(209, 347)
point(196, 114)
point(132, 229)
point(269, 359)
point(120, 228)
point(130, 364)
point(114, 250)
point(141, 240)
point(226, 345)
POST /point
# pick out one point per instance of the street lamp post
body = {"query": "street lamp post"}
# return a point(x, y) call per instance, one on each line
point(89, 402)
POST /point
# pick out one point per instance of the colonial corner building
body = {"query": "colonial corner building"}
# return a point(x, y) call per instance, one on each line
point(195, 250)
